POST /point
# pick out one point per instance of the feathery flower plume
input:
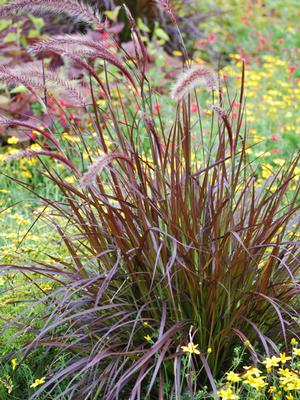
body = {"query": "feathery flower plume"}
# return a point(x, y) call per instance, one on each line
point(74, 41)
point(97, 167)
point(10, 75)
point(21, 154)
point(137, 34)
point(191, 78)
point(166, 4)
point(75, 9)
point(79, 46)
point(55, 82)
point(33, 153)
point(32, 76)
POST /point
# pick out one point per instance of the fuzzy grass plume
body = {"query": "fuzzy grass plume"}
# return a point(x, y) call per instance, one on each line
point(88, 179)
point(32, 76)
point(78, 47)
point(75, 9)
point(51, 154)
point(166, 4)
point(191, 78)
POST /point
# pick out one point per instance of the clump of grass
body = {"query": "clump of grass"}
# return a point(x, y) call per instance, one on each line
point(167, 244)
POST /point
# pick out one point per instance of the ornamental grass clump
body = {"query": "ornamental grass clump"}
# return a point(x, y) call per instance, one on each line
point(173, 246)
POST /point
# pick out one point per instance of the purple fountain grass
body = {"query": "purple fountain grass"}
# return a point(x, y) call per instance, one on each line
point(159, 247)
point(89, 178)
point(78, 46)
point(196, 75)
point(75, 9)
point(38, 153)
point(167, 5)
point(33, 77)
point(12, 76)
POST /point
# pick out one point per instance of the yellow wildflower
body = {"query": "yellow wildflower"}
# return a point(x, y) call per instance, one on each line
point(38, 382)
point(177, 53)
point(279, 161)
point(70, 138)
point(190, 348)
point(284, 358)
point(294, 342)
point(289, 380)
point(251, 371)
point(70, 179)
point(26, 174)
point(289, 397)
point(228, 394)
point(101, 102)
point(45, 286)
point(199, 60)
point(257, 382)
point(233, 377)
point(296, 351)
point(148, 338)
point(271, 362)
point(13, 140)
point(35, 147)
point(14, 363)
point(209, 350)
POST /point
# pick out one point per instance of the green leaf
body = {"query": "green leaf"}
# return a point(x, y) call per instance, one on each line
point(142, 27)
point(10, 37)
point(4, 24)
point(160, 33)
point(37, 22)
point(19, 89)
point(113, 14)
point(33, 33)
point(160, 60)
point(24, 41)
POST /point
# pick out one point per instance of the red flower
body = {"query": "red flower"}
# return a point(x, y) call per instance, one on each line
point(104, 35)
point(275, 151)
point(274, 138)
point(211, 38)
point(262, 41)
point(156, 107)
point(194, 107)
point(292, 69)
point(99, 27)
